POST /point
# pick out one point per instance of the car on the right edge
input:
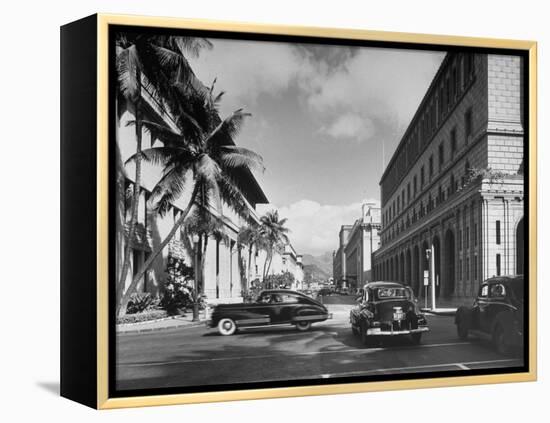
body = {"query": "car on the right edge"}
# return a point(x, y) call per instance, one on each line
point(497, 312)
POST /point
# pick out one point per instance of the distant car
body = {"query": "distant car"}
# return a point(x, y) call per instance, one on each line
point(387, 309)
point(497, 312)
point(272, 307)
point(324, 291)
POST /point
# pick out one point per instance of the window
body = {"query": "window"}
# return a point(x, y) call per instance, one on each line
point(498, 232)
point(431, 166)
point(452, 187)
point(467, 270)
point(475, 267)
point(414, 186)
point(455, 83)
point(408, 192)
point(459, 269)
point(422, 179)
point(460, 240)
point(498, 264)
point(467, 237)
point(467, 126)
point(484, 291)
point(453, 142)
point(403, 199)
point(441, 152)
point(449, 94)
point(475, 234)
point(497, 290)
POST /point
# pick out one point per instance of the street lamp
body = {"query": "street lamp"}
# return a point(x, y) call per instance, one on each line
point(196, 278)
point(431, 265)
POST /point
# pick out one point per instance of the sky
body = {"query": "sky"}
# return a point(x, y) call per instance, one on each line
point(325, 119)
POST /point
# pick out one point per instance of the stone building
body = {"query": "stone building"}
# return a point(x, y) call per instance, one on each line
point(352, 266)
point(225, 262)
point(455, 184)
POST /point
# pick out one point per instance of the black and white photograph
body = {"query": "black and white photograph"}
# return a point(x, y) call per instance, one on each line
point(294, 210)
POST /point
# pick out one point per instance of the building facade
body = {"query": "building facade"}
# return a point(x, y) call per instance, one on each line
point(352, 262)
point(454, 186)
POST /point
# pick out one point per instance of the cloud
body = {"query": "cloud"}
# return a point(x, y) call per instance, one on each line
point(350, 126)
point(248, 69)
point(348, 90)
point(314, 226)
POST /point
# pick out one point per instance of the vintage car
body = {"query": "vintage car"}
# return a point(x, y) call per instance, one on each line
point(272, 307)
point(387, 309)
point(497, 313)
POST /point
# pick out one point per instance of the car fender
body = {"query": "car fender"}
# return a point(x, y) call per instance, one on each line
point(506, 321)
point(464, 315)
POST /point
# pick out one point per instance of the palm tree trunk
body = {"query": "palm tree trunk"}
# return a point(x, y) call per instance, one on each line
point(202, 261)
point(135, 203)
point(126, 297)
point(249, 267)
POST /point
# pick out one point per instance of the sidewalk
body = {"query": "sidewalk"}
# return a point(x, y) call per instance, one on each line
point(445, 307)
point(161, 324)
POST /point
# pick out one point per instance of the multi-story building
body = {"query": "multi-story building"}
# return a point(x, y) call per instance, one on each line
point(289, 261)
point(339, 258)
point(225, 262)
point(351, 263)
point(454, 185)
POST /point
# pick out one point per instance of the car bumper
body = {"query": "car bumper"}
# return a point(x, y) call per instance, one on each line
point(391, 332)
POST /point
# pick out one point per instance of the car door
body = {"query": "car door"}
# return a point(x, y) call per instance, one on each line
point(481, 308)
point(274, 308)
point(268, 305)
point(289, 305)
point(497, 303)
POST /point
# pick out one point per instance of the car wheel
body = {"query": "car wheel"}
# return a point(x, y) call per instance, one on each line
point(462, 330)
point(303, 326)
point(499, 340)
point(416, 337)
point(227, 327)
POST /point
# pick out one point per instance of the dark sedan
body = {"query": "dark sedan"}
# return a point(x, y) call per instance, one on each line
point(272, 307)
point(497, 312)
point(387, 309)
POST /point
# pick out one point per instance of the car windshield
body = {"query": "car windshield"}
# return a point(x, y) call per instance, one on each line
point(393, 293)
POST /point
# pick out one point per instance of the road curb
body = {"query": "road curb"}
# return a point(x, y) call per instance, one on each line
point(180, 326)
point(448, 313)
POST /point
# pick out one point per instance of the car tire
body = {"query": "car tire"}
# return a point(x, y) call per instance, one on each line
point(303, 326)
point(227, 326)
point(462, 330)
point(416, 338)
point(499, 340)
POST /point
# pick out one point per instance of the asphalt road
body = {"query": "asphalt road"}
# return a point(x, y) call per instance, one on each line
point(199, 356)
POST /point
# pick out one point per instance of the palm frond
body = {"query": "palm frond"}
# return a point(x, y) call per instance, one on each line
point(162, 132)
point(232, 156)
point(128, 69)
point(233, 197)
point(225, 131)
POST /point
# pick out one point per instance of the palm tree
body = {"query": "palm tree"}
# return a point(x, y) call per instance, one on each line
point(250, 236)
point(203, 223)
point(275, 236)
point(157, 65)
point(203, 160)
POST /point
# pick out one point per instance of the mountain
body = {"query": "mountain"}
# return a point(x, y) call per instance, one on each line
point(318, 267)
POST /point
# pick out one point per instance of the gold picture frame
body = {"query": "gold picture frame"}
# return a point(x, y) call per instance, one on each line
point(100, 359)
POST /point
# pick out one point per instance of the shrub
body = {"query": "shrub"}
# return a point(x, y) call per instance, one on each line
point(142, 317)
point(139, 303)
